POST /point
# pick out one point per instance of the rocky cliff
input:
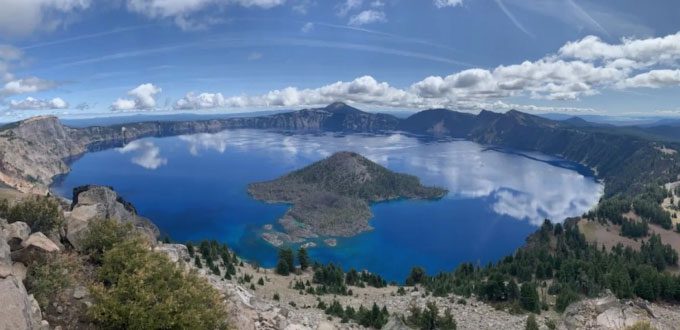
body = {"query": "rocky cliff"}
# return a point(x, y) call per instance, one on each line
point(33, 151)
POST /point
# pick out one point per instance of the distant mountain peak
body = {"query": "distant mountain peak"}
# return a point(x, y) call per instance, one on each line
point(341, 107)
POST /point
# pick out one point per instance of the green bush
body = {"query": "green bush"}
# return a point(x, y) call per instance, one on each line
point(429, 318)
point(564, 299)
point(48, 276)
point(141, 289)
point(4, 208)
point(641, 325)
point(39, 212)
point(102, 235)
point(531, 323)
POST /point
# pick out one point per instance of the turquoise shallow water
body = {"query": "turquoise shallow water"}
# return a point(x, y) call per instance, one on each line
point(194, 187)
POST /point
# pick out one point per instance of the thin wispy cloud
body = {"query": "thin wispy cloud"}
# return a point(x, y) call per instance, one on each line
point(580, 12)
point(513, 19)
point(389, 36)
point(88, 36)
point(245, 43)
point(372, 49)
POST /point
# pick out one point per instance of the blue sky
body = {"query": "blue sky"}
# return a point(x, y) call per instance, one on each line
point(82, 57)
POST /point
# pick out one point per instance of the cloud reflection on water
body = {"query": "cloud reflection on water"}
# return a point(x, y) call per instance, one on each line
point(147, 154)
point(518, 186)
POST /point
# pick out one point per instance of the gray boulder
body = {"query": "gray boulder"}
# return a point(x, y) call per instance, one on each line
point(34, 246)
point(80, 292)
point(19, 311)
point(607, 312)
point(395, 323)
point(19, 270)
point(5, 257)
point(16, 232)
point(175, 252)
point(92, 203)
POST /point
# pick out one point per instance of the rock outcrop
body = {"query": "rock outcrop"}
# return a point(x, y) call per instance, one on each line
point(5, 257)
point(16, 233)
point(35, 246)
point(175, 252)
point(19, 309)
point(92, 203)
point(610, 313)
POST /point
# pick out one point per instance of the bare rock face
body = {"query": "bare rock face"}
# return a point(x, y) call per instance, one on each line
point(19, 270)
point(395, 323)
point(35, 152)
point(19, 311)
point(611, 313)
point(34, 246)
point(175, 252)
point(5, 257)
point(16, 232)
point(92, 203)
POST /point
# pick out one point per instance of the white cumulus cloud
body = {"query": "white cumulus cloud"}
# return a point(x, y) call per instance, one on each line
point(308, 27)
point(26, 85)
point(23, 17)
point(193, 14)
point(31, 103)
point(143, 98)
point(579, 69)
point(635, 52)
point(200, 101)
point(653, 79)
point(9, 83)
point(348, 5)
point(367, 17)
point(447, 3)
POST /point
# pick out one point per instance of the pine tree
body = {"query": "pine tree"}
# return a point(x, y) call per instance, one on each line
point(513, 290)
point(303, 258)
point(531, 323)
point(285, 264)
point(190, 249)
point(529, 297)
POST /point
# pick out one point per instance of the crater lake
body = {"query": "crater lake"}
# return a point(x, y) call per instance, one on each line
point(193, 188)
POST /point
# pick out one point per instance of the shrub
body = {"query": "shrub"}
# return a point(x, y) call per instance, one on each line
point(48, 276)
point(550, 323)
point(417, 275)
point(41, 213)
point(102, 235)
point(141, 289)
point(4, 208)
point(564, 298)
point(640, 325)
point(429, 318)
point(531, 323)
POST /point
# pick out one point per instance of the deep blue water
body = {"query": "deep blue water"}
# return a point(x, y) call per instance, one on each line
point(194, 188)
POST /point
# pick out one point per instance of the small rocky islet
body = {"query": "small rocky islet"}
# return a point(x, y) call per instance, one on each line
point(331, 197)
